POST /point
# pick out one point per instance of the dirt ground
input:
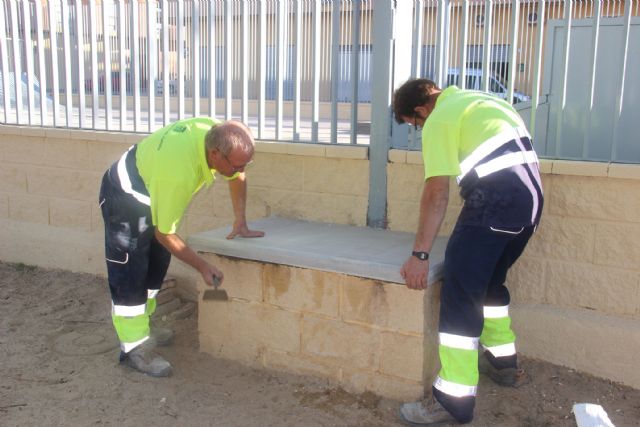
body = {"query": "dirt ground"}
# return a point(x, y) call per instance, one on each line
point(59, 366)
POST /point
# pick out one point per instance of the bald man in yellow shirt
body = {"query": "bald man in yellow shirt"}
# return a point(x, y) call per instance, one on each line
point(143, 198)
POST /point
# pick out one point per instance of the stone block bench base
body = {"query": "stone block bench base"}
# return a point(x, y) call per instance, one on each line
point(294, 313)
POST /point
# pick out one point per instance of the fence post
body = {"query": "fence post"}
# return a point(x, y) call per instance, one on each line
point(391, 67)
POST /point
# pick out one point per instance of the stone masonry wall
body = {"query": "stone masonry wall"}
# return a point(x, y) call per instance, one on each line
point(581, 269)
point(364, 334)
point(50, 178)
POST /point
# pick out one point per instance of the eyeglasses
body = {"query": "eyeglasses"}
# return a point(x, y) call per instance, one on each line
point(235, 168)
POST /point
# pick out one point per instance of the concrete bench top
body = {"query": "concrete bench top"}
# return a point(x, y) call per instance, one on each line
point(356, 251)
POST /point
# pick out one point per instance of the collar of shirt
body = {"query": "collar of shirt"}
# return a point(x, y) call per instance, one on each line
point(446, 93)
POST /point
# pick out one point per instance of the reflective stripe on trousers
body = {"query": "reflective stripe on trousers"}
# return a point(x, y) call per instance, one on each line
point(458, 375)
point(132, 322)
point(497, 336)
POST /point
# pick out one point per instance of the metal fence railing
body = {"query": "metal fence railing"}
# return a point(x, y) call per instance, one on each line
point(287, 67)
point(569, 66)
point(302, 70)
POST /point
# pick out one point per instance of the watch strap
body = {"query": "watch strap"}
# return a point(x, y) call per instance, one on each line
point(422, 256)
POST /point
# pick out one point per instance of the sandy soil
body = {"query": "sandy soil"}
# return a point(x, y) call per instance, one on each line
point(59, 366)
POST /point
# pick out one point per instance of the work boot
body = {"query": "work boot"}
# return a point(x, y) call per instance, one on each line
point(506, 377)
point(162, 336)
point(144, 359)
point(428, 412)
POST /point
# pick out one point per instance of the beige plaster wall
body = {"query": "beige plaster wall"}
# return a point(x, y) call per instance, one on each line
point(576, 289)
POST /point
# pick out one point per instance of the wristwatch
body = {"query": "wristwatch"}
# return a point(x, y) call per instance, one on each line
point(422, 256)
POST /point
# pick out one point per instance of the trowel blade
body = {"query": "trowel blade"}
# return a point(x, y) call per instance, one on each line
point(215, 294)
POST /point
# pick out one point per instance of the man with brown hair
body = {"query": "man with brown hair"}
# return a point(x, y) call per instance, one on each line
point(482, 141)
point(143, 198)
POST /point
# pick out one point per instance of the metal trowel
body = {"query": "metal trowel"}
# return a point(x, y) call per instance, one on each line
point(215, 293)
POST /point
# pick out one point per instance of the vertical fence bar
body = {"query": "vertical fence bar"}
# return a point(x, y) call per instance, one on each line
point(418, 29)
point(107, 7)
point(244, 63)
point(67, 63)
point(280, 65)
point(94, 63)
point(41, 63)
point(535, 95)
point(416, 59)
point(123, 68)
point(82, 103)
point(563, 79)
point(501, 29)
point(53, 42)
point(151, 63)
point(315, 73)
point(391, 66)
point(486, 51)
point(17, 60)
point(355, 69)
point(5, 68)
point(28, 48)
point(262, 65)
point(297, 69)
point(463, 43)
point(441, 41)
point(166, 75)
point(228, 56)
point(195, 53)
point(524, 58)
point(181, 62)
point(380, 117)
point(515, 19)
point(335, 68)
point(595, 36)
point(452, 32)
point(212, 75)
point(620, 94)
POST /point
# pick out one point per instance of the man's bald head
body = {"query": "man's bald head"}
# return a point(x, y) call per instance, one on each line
point(230, 136)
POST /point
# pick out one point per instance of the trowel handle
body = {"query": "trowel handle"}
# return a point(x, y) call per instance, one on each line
point(216, 281)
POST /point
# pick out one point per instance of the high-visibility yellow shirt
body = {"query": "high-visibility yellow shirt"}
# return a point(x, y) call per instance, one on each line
point(459, 123)
point(173, 165)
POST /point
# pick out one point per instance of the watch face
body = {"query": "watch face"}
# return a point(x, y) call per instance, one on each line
point(423, 256)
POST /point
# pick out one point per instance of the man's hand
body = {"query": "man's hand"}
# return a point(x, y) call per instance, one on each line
point(207, 271)
point(238, 191)
point(415, 273)
point(242, 230)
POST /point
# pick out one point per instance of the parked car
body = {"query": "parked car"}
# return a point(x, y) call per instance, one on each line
point(474, 81)
point(24, 88)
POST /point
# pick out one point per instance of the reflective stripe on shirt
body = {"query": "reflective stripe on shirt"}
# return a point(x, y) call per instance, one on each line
point(488, 147)
point(125, 181)
point(506, 161)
